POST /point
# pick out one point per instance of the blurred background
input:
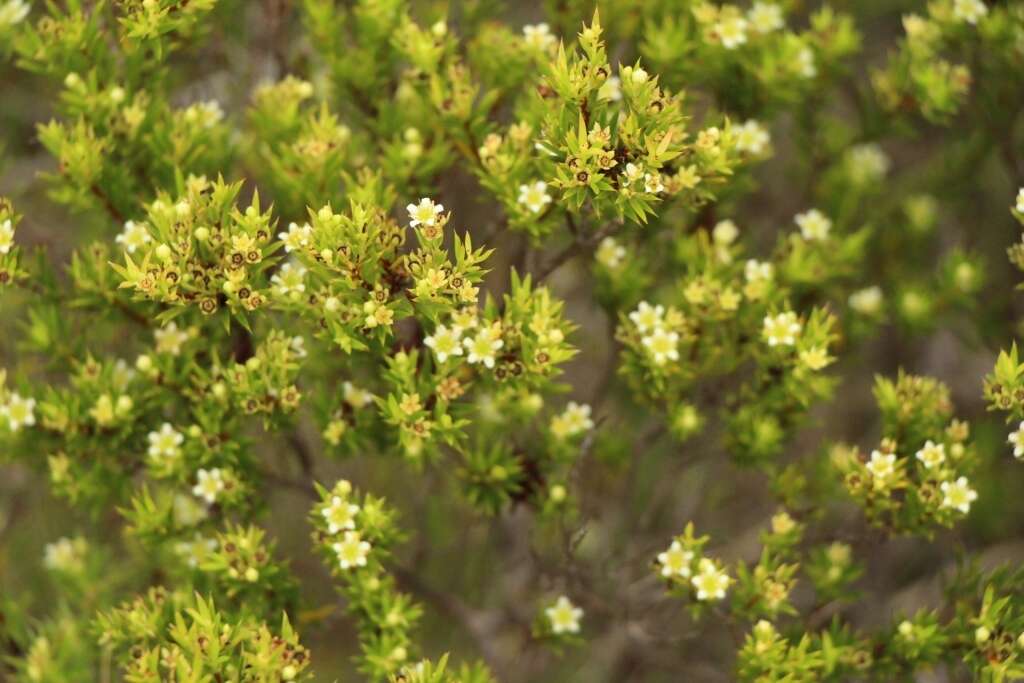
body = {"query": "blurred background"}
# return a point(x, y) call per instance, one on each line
point(480, 578)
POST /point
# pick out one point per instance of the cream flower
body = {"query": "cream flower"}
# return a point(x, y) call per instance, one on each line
point(445, 342)
point(969, 10)
point(931, 454)
point(563, 616)
point(732, 30)
point(538, 36)
point(65, 554)
point(867, 301)
point(805, 63)
point(483, 347)
point(676, 561)
point(1016, 439)
point(133, 236)
point(752, 137)
point(710, 582)
point(574, 420)
point(13, 12)
point(814, 225)
point(652, 183)
point(296, 237)
point(290, 280)
point(165, 443)
point(881, 466)
point(958, 495)
point(169, 339)
point(867, 163)
point(424, 213)
point(610, 253)
point(6, 236)
point(765, 17)
point(340, 515)
point(662, 346)
point(534, 196)
point(196, 550)
point(647, 317)
point(781, 329)
point(355, 396)
point(758, 271)
point(209, 484)
point(352, 550)
point(18, 412)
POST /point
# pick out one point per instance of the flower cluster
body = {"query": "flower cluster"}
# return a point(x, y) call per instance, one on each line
point(917, 477)
point(688, 572)
point(355, 533)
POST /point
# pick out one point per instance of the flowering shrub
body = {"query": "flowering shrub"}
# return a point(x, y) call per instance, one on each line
point(461, 343)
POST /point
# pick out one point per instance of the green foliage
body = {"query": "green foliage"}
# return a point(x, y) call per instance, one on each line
point(356, 265)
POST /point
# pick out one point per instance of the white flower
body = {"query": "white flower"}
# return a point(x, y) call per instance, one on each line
point(758, 271)
point(538, 36)
point(340, 515)
point(958, 495)
point(931, 454)
point(1020, 200)
point(867, 301)
point(18, 412)
point(169, 339)
point(187, 511)
point(165, 443)
point(424, 213)
point(969, 10)
point(652, 183)
point(733, 31)
point(752, 137)
point(725, 233)
point(296, 237)
point(351, 550)
point(662, 346)
point(881, 466)
point(483, 347)
point(65, 554)
point(563, 616)
point(13, 12)
point(675, 561)
point(805, 65)
point(710, 582)
point(867, 163)
point(574, 420)
point(445, 342)
point(133, 236)
point(290, 281)
point(6, 236)
point(647, 317)
point(196, 550)
point(210, 112)
point(765, 17)
point(814, 225)
point(783, 329)
point(209, 484)
point(356, 397)
point(297, 346)
point(534, 196)
point(205, 114)
point(610, 253)
point(611, 90)
point(633, 173)
point(1016, 439)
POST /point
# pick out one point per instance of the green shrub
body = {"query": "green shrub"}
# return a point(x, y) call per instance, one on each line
point(425, 341)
